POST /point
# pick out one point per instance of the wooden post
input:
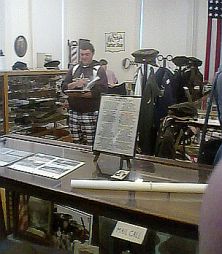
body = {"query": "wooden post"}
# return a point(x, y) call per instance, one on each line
point(5, 103)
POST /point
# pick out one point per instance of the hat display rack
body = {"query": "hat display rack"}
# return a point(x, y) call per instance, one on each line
point(164, 59)
point(145, 57)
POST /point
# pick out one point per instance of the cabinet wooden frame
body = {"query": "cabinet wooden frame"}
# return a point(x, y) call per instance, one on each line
point(6, 75)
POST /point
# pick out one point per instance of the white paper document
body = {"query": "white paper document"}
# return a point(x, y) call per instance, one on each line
point(117, 125)
point(46, 165)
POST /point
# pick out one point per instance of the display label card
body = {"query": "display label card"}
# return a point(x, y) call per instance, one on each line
point(129, 232)
point(120, 174)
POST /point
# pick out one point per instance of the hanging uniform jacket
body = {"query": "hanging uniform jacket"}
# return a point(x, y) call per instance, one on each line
point(166, 83)
point(179, 86)
point(192, 78)
point(194, 81)
point(141, 79)
point(147, 129)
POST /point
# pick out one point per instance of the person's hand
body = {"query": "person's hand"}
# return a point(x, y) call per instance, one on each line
point(80, 94)
point(77, 84)
point(86, 95)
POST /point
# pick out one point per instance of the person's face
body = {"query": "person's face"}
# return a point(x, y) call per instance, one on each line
point(86, 56)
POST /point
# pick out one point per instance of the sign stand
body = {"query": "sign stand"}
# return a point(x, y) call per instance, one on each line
point(122, 159)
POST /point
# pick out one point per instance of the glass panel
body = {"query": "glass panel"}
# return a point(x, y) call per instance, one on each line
point(52, 225)
point(155, 242)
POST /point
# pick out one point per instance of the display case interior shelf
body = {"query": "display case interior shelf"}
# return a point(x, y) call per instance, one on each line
point(35, 103)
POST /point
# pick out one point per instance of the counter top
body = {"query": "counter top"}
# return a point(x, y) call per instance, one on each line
point(180, 211)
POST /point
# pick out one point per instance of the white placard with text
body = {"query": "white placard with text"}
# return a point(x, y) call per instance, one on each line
point(117, 125)
point(129, 232)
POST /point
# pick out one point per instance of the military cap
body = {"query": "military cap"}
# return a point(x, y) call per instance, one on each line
point(19, 66)
point(52, 64)
point(183, 110)
point(146, 56)
point(181, 61)
point(195, 61)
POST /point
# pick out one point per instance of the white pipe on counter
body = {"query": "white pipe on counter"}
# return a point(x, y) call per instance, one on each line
point(139, 186)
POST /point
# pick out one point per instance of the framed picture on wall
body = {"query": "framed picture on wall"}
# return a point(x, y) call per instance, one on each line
point(115, 41)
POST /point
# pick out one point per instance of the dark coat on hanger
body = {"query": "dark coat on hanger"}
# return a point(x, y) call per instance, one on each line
point(147, 129)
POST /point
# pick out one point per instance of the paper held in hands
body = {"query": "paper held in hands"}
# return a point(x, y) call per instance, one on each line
point(91, 83)
point(85, 89)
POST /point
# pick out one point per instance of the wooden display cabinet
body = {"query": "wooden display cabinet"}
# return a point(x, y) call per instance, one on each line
point(32, 102)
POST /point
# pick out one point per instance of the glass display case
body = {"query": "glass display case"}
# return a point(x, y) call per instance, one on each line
point(34, 103)
point(170, 220)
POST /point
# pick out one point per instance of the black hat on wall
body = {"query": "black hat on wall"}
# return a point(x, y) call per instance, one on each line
point(19, 66)
point(146, 56)
point(181, 61)
point(52, 65)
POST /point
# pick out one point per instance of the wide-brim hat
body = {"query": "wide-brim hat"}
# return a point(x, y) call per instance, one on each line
point(181, 61)
point(52, 64)
point(146, 56)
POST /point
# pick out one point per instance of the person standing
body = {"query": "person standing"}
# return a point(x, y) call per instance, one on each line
point(112, 80)
point(84, 105)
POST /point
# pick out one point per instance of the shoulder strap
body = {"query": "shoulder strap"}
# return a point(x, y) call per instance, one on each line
point(95, 70)
point(75, 67)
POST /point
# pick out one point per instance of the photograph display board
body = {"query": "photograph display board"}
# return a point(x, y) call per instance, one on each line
point(8, 155)
point(117, 125)
point(46, 165)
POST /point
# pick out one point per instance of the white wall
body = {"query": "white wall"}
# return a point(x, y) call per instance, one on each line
point(46, 20)
point(17, 22)
point(92, 19)
point(117, 16)
point(78, 22)
point(173, 27)
point(176, 28)
point(201, 30)
point(2, 25)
